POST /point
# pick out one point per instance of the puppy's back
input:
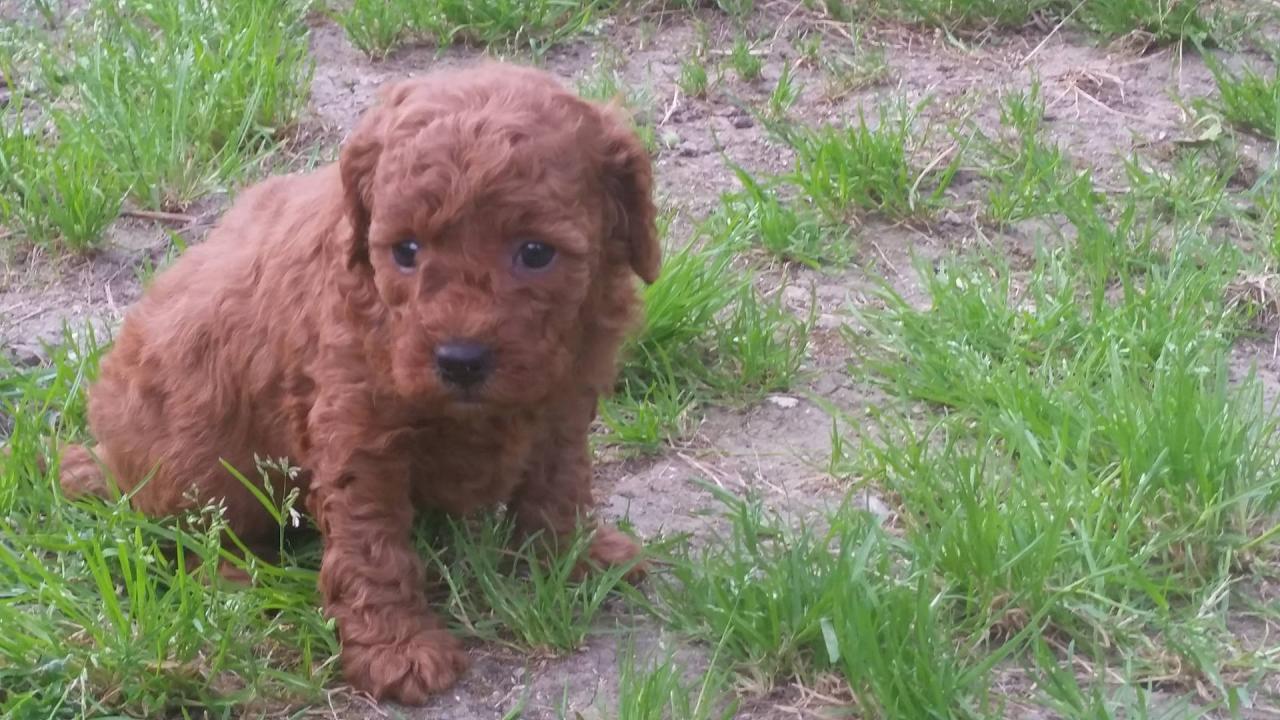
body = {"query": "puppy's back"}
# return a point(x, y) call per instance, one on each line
point(206, 363)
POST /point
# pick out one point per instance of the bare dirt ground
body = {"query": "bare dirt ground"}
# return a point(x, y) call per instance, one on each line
point(1103, 102)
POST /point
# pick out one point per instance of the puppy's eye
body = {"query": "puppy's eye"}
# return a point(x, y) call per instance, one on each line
point(535, 255)
point(405, 253)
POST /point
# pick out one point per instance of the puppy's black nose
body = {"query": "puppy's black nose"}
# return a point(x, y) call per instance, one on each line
point(463, 364)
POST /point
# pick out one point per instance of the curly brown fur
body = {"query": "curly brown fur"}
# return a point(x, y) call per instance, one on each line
point(294, 332)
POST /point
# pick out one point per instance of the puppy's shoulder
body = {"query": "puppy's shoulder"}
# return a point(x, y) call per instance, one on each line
point(271, 223)
point(285, 198)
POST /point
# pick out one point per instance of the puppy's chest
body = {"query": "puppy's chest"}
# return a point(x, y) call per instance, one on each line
point(461, 467)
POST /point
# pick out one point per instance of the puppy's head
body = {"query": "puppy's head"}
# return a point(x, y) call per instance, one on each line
point(500, 220)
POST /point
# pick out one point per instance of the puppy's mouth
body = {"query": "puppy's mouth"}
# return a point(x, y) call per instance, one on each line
point(466, 397)
point(466, 400)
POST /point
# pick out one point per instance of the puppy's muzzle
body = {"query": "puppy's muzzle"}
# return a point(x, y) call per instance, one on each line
point(463, 364)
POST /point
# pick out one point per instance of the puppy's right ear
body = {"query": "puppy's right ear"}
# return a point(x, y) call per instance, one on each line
point(358, 162)
point(629, 180)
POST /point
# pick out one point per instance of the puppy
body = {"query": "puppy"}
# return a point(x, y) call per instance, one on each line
point(427, 323)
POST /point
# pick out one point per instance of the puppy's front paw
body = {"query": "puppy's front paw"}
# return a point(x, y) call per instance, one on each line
point(406, 672)
point(610, 547)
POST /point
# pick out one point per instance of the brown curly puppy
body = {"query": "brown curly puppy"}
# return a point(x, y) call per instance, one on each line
point(426, 323)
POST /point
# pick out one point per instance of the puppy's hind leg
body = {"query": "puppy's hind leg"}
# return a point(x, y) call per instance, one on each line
point(82, 474)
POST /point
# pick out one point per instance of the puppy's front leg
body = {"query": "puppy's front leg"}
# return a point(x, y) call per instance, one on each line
point(555, 496)
point(371, 578)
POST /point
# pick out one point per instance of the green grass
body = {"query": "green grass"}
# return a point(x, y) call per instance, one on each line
point(791, 231)
point(379, 26)
point(647, 416)
point(698, 302)
point(786, 92)
point(1092, 462)
point(964, 14)
point(865, 167)
point(1156, 21)
point(160, 102)
point(709, 335)
point(1193, 191)
point(1248, 99)
point(737, 10)
point(662, 691)
point(1261, 216)
point(1162, 21)
point(808, 47)
point(694, 81)
point(781, 599)
point(42, 188)
point(1025, 173)
point(846, 74)
point(513, 593)
point(744, 60)
point(187, 94)
point(848, 70)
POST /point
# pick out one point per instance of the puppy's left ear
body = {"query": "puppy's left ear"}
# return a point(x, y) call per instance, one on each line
point(358, 161)
point(629, 182)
